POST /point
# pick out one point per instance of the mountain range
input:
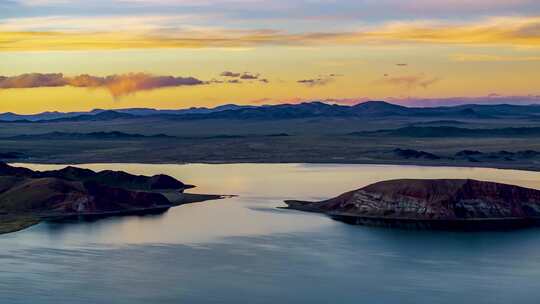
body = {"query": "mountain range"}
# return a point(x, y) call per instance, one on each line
point(101, 114)
point(370, 109)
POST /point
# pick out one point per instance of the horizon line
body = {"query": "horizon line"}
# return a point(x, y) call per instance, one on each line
point(390, 101)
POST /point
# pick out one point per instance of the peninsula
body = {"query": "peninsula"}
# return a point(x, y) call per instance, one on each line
point(449, 204)
point(28, 197)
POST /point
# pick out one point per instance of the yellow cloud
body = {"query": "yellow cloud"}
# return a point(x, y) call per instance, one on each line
point(492, 58)
point(495, 31)
point(501, 31)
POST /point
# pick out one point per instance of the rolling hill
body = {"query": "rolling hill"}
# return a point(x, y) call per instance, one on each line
point(370, 109)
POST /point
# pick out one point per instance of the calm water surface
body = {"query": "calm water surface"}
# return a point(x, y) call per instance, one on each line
point(245, 250)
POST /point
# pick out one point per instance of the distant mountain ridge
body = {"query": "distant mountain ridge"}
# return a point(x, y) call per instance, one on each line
point(370, 109)
point(9, 116)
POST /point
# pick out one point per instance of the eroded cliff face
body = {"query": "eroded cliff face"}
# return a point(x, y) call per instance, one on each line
point(443, 199)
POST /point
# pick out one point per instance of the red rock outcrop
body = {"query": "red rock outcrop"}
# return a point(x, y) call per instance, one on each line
point(441, 199)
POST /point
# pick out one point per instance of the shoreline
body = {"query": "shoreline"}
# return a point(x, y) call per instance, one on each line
point(19, 222)
point(28, 220)
point(499, 166)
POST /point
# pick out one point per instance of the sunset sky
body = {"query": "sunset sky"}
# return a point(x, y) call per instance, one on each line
point(67, 55)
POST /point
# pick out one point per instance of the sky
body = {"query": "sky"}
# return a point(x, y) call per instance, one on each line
point(75, 55)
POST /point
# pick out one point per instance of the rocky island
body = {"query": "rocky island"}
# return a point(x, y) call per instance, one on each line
point(27, 196)
point(449, 204)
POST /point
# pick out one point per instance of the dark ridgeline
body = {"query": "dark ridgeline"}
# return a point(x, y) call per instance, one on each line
point(433, 204)
point(109, 178)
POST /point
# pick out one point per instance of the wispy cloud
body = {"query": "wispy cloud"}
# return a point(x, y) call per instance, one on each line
point(230, 74)
point(409, 81)
point(117, 85)
point(320, 80)
point(315, 82)
point(248, 76)
point(313, 9)
point(512, 31)
point(243, 76)
point(97, 24)
point(493, 58)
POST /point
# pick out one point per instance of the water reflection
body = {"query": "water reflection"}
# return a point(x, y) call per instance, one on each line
point(261, 188)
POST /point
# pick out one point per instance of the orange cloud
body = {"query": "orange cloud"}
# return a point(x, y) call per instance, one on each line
point(117, 85)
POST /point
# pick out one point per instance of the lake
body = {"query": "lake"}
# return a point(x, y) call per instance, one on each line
point(246, 250)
